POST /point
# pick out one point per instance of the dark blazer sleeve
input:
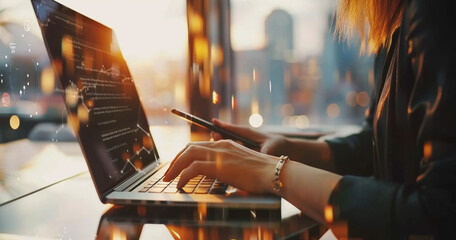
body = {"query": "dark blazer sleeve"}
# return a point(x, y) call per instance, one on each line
point(354, 154)
point(376, 209)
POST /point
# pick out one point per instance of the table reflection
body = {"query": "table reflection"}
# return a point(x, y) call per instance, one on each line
point(155, 222)
point(27, 166)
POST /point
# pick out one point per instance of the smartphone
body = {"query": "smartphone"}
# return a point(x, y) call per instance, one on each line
point(208, 125)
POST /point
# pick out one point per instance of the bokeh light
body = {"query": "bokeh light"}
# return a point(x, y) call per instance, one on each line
point(362, 99)
point(333, 110)
point(215, 97)
point(350, 98)
point(201, 47)
point(6, 100)
point(15, 122)
point(302, 122)
point(287, 110)
point(83, 114)
point(71, 96)
point(256, 120)
point(427, 150)
point(329, 214)
point(47, 81)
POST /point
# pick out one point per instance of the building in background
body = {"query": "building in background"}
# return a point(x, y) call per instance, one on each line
point(330, 87)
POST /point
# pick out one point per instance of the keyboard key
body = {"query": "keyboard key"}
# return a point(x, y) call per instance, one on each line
point(207, 185)
point(161, 185)
point(218, 190)
point(144, 189)
point(171, 190)
point(155, 190)
point(201, 190)
point(187, 190)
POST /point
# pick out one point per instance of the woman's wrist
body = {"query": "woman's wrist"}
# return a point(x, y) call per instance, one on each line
point(268, 175)
point(313, 153)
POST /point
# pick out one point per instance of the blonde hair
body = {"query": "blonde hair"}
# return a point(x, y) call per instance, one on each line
point(371, 21)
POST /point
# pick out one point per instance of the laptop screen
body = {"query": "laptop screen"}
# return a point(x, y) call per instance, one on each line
point(103, 104)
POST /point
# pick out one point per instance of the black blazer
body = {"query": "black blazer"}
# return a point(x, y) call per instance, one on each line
point(400, 170)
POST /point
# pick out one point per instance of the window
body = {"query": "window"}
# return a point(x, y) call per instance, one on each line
point(286, 68)
point(289, 69)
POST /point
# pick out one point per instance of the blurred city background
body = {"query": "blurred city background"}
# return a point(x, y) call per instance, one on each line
point(257, 63)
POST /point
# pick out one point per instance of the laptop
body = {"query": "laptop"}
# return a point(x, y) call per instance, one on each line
point(107, 115)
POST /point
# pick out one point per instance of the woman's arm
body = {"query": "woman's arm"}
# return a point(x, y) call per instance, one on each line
point(313, 153)
point(347, 155)
point(308, 188)
point(305, 187)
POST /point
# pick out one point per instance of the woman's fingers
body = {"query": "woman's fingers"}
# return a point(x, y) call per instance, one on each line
point(183, 160)
point(197, 168)
point(176, 157)
point(202, 143)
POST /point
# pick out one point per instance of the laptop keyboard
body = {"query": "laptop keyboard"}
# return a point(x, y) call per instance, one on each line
point(197, 185)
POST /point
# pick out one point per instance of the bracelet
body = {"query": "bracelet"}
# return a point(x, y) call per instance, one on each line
point(277, 183)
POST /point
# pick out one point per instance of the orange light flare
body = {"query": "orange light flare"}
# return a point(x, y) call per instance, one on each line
point(118, 234)
point(147, 142)
point(89, 103)
point(68, 54)
point(47, 81)
point(202, 211)
point(67, 47)
point(201, 48)
point(195, 22)
point(233, 102)
point(126, 156)
point(71, 95)
point(215, 97)
point(138, 164)
point(329, 214)
point(427, 150)
point(83, 114)
point(136, 148)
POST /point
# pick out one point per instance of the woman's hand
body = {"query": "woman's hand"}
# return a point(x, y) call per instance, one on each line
point(227, 161)
point(272, 144)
